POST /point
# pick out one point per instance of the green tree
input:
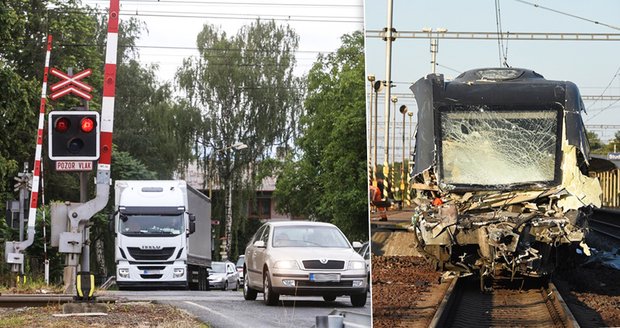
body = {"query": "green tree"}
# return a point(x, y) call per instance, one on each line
point(328, 179)
point(596, 145)
point(245, 89)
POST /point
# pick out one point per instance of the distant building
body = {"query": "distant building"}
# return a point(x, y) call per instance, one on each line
point(262, 208)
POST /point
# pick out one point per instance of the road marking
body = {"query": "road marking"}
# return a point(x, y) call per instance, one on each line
point(237, 323)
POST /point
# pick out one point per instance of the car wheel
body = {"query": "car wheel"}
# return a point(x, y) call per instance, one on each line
point(329, 298)
point(358, 300)
point(225, 287)
point(270, 297)
point(236, 286)
point(249, 294)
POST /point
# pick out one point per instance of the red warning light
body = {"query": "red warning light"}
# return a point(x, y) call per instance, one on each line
point(62, 125)
point(87, 124)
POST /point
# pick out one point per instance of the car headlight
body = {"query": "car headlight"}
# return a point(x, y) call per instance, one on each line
point(216, 279)
point(357, 265)
point(289, 264)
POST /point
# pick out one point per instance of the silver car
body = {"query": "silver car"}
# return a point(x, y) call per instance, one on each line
point(304, 259)
point(223, 275)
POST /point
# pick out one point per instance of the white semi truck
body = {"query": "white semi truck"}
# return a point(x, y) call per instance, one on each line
point(163, 235)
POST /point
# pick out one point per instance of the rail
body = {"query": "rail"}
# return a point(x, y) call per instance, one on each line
point(464, 305)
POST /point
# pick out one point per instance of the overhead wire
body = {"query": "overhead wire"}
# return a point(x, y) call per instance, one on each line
point(570, 15)
point(500, 35)
point(238, 3)
point(607, 87)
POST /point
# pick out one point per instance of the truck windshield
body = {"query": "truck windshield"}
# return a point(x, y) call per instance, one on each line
point(493, 147)
point(151, 225)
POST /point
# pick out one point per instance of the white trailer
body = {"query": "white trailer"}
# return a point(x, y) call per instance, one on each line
point(162, 234)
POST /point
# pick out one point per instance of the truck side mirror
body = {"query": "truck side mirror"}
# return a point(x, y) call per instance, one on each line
point(192, 224)
point(111, 224)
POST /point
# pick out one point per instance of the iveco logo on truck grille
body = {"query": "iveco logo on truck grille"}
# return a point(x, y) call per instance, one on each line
point(150, 247)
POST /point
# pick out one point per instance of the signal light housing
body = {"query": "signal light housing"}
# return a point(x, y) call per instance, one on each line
point(73, 135)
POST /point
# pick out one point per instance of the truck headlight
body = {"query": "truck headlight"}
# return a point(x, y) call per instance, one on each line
point(123, 273)
point(178, 272)
point(289, 264)
point(357, 265)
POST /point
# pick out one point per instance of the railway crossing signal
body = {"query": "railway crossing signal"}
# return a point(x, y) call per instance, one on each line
point(71, 84)
point(73, 135)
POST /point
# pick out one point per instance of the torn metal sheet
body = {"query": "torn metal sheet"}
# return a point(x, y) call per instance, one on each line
point(501, 171)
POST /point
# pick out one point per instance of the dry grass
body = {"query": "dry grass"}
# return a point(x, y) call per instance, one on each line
point(123, 315)
point(32, 287)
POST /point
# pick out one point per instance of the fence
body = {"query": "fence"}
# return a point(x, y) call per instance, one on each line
point(610, 182)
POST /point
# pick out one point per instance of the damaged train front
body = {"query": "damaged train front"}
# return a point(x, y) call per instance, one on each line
point(501, 173)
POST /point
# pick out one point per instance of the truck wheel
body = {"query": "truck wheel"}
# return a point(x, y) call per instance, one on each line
point(225, 287)
point(358, 300)
point(249, 294)
point(329, 298)
point(236, 286)
point(269, 296)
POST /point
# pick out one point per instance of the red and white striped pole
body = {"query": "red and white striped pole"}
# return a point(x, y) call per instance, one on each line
point(109, 92)
point(34, 194)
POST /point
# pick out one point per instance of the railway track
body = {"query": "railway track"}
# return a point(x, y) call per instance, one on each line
point(606, 223)
point(21, 300)
point(508, 305)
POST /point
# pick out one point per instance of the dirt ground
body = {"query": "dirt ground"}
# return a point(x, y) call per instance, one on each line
point(406, 291)
point(593, 294)
point(122, 315)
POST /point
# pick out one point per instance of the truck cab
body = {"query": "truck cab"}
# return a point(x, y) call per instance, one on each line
point(152, 225)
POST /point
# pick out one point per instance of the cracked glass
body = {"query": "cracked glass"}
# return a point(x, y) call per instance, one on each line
point(491, 147)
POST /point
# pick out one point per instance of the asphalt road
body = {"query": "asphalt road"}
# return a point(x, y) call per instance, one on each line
point(222, 309)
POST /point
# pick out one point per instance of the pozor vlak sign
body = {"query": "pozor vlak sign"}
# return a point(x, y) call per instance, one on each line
point(73, 136)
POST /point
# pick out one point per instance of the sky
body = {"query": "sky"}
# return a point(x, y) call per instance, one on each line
point(592, 65)
point(174, 24)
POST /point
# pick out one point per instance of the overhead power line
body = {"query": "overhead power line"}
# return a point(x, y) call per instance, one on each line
point(608, 85)
point(238, 16)
point(235, 3)
point(570, 15)
point(522, 36)
point(183, 48)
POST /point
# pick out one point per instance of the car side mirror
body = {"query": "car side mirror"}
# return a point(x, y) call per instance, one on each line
point(357, 245)
point(259, 244)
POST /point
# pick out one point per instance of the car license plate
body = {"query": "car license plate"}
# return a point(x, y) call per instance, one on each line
point(322, 277)
point(152, 271)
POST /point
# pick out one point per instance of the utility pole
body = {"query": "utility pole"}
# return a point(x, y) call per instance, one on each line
point(434, 45)
point(393, 168)
point(389, 38)
point(371, 171)
point(376, 88)
point(228, 205)
point(403, 110)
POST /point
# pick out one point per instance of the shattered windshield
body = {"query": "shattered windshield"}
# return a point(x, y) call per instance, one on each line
point(151, 225)
point(480, 146)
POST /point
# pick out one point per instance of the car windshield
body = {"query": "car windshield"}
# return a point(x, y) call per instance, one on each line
point(218, 267)
point(240, 262)
point(490, 147)
point(308, 236)
point(151, 225)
